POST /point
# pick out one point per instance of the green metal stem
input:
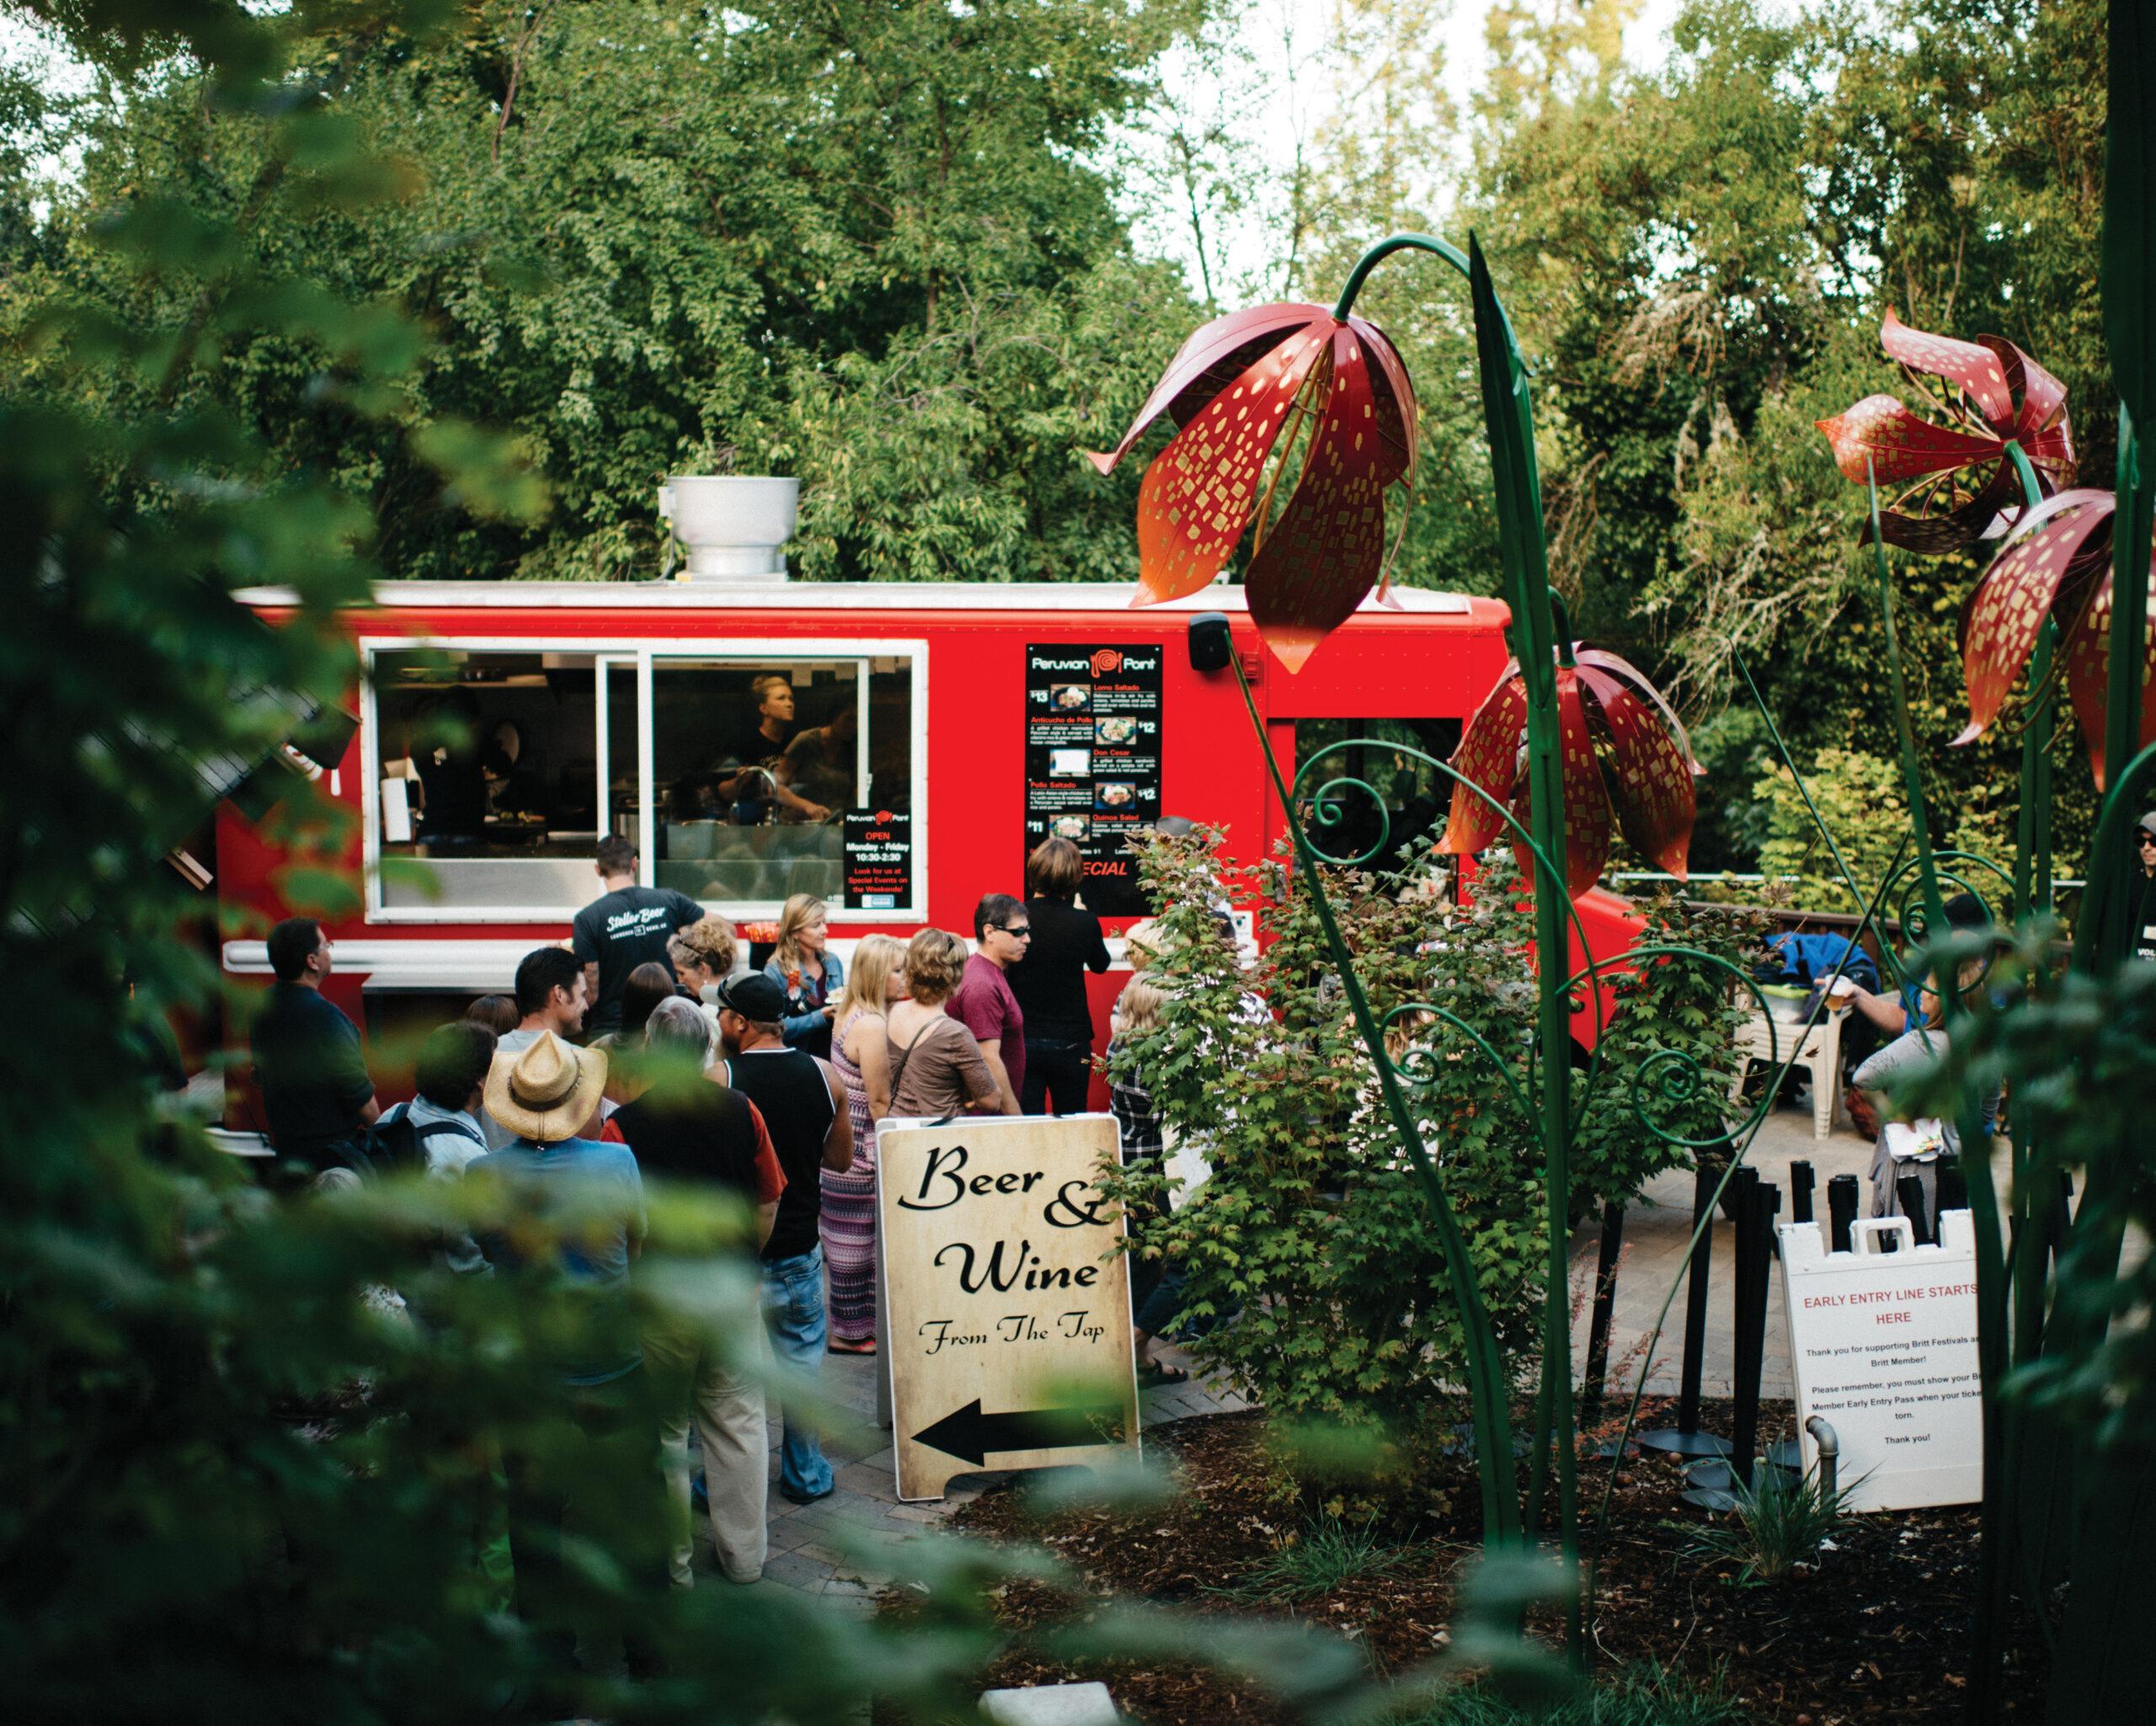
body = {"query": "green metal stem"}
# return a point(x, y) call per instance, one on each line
point(1384, 249)
point(1976, 1169)
point(2130, 552)
point(1509, 416)
point(1485, 1374)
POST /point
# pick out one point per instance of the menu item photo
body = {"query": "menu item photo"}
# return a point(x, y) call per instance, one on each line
point(1114, 731)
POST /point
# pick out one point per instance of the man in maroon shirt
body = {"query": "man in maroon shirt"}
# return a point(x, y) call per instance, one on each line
point(984, 1000)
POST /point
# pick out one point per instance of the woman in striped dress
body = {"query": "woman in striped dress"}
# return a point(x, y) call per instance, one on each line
point(861, 1054)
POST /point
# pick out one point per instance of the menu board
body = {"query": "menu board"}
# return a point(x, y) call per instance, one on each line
point(1093, 760)
point(878, 859)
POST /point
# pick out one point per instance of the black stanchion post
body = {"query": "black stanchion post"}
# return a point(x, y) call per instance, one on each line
point(1953, 1190)
point(1605, 1297)
point(1841, 1212)
point(1712, 1484)
point(1685, 1439)
point(1752, 1271)
point(1910, 1190)
point(1801, 1181)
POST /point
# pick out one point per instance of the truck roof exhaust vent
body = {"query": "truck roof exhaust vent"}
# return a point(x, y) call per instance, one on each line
point(732, 527)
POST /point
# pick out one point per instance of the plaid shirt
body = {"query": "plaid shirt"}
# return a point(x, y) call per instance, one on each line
point(1136, 1125)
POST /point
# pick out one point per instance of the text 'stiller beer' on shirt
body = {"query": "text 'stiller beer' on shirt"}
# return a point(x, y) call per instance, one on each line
point(621, 930)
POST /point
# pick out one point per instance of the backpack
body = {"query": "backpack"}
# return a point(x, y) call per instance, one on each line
point(396, 1144)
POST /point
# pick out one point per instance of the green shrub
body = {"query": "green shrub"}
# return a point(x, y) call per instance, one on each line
point(1313, 1272)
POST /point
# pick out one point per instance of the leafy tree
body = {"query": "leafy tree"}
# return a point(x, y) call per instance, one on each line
point(857, 242)
point(256, 1442)
point(1701, 256)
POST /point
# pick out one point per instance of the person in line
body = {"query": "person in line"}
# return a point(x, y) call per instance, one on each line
point(551, 997)
point(983, 1002)
point(704, 954)
point(1155, 1285)
point(861, 1053)
point(803, 1106)
point(938, 1069)
point(448, 1114)
point(317, 1097)
point(497, 1013)
point(581, 1209)
point(707, 1135)
point(1049, 982)
point(646, 986)
point(757, 779)
point(2141, 890)
point(811, 976)
point(626, 926)
point(819, 765)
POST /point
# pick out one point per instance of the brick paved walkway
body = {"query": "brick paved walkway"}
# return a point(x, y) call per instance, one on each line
point(829, 1548)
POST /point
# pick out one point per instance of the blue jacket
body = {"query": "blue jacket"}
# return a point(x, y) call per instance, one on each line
point(800, 1025)
point(1809, 959)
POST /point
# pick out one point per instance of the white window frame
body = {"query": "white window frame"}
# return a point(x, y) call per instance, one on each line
point(644, 655)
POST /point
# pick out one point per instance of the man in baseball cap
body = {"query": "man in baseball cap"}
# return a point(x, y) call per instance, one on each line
point(802, 1101)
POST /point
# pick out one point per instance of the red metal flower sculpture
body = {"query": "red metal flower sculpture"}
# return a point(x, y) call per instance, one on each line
point(1622, 746)
point(1239, 384)
point(2057, 564)
point(1997, 392)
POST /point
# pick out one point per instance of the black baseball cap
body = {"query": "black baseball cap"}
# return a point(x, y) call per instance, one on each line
point(754, 997)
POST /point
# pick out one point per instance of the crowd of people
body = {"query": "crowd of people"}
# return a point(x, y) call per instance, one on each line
point(564, 1086)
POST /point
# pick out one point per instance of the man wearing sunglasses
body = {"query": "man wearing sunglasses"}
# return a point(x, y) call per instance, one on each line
point(983, 1000)
point(2141, 889)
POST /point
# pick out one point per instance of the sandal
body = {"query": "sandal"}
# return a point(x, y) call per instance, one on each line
point(838, 1346)
point(1156, 1374)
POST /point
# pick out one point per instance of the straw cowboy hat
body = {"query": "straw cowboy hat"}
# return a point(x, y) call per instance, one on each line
point(547, 1091)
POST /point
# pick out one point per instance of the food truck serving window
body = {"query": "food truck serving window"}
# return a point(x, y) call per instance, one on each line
point(740, 779)
point(1406, 800)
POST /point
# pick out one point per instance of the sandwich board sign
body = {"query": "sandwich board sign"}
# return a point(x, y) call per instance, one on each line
point(1005, 1310)
point(1884, 1347)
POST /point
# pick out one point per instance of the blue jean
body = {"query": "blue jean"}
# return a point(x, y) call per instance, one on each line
point(793, 1303)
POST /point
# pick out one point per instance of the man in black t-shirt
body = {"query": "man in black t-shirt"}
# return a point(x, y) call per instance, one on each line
point(316, 1093)
point(626, 926)
point(803, 1102)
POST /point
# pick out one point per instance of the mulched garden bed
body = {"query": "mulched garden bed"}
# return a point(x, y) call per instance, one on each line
point(1878, 1631)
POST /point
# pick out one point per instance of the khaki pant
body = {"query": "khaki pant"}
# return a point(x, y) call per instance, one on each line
point(728, 1413)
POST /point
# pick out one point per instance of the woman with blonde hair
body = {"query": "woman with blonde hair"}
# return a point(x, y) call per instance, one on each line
point(704, 954)
point(862, 1055)
point(803, 965)
point(936, 1067)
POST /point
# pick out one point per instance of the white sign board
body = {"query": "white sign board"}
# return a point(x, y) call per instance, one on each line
point(1884, 1345)
point(1007, 1310)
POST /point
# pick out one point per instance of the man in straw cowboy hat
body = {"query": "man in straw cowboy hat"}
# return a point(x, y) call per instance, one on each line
point(595, 1472)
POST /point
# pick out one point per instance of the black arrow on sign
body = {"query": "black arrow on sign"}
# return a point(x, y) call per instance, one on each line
point(970, 1435)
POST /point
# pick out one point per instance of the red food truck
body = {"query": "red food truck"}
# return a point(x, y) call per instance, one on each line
point(960, 725)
